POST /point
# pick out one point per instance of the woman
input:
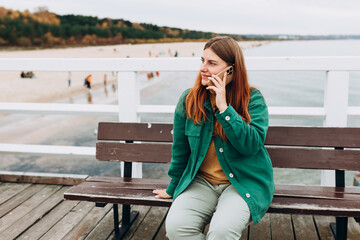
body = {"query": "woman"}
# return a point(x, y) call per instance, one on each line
point(221, 172)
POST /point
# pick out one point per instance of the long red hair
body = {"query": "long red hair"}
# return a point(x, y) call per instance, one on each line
point(237, 91)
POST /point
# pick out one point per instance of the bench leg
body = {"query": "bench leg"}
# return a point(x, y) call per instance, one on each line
point(128, 218)
point(339, 229)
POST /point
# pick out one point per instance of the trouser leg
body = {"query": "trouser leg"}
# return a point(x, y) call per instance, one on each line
point(231, 217)
point(191, 211)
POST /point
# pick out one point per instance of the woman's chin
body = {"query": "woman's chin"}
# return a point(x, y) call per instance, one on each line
point(205, 82)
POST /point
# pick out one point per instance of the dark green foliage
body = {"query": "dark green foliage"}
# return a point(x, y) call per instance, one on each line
point(25, 31)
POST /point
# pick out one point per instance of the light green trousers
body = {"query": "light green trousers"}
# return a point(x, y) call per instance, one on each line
point(202, 203)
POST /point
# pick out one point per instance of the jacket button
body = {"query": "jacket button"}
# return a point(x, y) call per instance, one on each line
point(247, 195)
point(227, 118)
point(221, 150)
point(231, 175)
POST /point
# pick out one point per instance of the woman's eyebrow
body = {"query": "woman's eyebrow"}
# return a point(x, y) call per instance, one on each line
point(210, 60)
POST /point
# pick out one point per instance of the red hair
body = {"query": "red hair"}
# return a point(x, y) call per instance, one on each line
point(237, 91)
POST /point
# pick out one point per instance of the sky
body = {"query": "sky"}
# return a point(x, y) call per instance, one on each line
point(302, 17)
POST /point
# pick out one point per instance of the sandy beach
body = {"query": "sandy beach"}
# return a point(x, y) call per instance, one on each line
point(51, 86)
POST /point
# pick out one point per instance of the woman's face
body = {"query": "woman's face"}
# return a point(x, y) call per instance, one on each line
point(210, 64)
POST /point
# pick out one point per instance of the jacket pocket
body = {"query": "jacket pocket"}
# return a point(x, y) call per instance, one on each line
point(192, 130)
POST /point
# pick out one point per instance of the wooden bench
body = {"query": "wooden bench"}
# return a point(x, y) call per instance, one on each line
point(289, 147)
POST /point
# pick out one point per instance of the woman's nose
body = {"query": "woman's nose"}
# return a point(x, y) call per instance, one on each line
point(203, 68)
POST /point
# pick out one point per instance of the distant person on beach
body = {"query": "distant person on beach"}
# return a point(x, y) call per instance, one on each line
point(87, 81)
point(105, 77)
point(221, 173)
point(176, 54)
point(69, 79)
point(27, 74)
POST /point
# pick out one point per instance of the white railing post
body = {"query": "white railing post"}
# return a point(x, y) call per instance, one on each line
point(129, 101)
point(335, 103)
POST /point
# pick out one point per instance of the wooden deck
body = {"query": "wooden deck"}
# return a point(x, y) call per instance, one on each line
point(38, 211)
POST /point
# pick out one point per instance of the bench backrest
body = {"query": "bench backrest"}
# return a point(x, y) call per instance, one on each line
point(288, 147)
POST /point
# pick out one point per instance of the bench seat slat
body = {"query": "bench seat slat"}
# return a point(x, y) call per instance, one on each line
point(281, 157)
point(287, 198)
point(276, 135)
point(313, 136)
point(132, 152)
point(110, 192)
point(316, 188)
point(153, 132)
point(317, 192)
point(314, 158)
point(128, 180)
point(328, 207)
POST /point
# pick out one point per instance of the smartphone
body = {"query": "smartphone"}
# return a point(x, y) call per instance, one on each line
point(230, 73)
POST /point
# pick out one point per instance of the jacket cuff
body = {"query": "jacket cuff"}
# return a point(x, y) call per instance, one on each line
point(227, 116)
point(170, 189)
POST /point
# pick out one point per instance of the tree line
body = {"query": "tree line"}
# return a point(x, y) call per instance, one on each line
point(45, 29)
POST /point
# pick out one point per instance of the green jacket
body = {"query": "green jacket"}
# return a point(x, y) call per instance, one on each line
point(243, 157)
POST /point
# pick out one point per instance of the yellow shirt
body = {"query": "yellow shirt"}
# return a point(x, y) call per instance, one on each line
point(210, 168)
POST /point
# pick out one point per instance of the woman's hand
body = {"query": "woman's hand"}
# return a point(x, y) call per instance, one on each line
point(161, 193)
point(220, 90)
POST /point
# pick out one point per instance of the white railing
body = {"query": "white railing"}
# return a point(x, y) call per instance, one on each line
point(334, 112)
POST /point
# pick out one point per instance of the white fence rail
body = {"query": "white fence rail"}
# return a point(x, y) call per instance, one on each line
point(335, 111)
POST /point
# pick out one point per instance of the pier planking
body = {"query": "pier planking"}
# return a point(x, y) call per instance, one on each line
point(40, 213)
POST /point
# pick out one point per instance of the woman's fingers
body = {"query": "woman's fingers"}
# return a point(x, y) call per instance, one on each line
point(218, 81)
point(214, 81)
point(161, 193)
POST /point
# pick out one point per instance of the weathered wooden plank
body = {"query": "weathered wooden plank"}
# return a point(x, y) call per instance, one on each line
point(281, 227)
point(109, 192)
point(318, 192)
point(161, 235)
point(151, 224)
point(45, 178)
point(353, 229)
point(105, 227)
point(116, 131)
point(245, 234)
point(48, 221)
point(313, 136)
point(67, 223)
point(20, 198)
point(281, 157)
point(292, 189)
point(305, 158)
point(326, 207)
point(34, 215)
point(20, 211)
point(323, 226)
point(287, 136)
point(86, 225)
point(12, 190)
point(261, 230)
point(131, 182)
point(132, 152)
point(304, 227)
point(143, 210)
point(5, 186)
